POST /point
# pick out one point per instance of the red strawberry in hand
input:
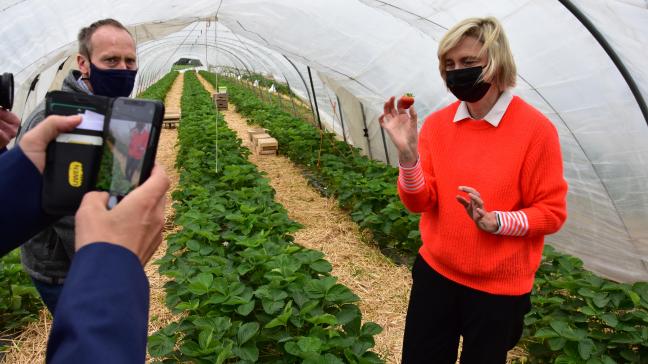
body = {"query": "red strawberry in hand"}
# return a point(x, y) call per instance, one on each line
point(405, 101)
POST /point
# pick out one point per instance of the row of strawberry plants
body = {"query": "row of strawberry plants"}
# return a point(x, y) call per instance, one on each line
point(159, 89)
point(244, 290)
point(576, 316)
point(267, 83)
point(364, 187)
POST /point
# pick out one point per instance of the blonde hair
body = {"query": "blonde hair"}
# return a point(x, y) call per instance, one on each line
point(500, 68)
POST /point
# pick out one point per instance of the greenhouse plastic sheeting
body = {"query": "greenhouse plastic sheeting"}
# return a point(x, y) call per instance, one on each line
point(361, 52)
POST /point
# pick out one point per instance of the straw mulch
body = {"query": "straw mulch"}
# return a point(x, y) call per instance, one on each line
point(382, 286)
point(30, 346)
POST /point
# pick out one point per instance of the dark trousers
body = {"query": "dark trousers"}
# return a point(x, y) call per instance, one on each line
point(49, 293)
point(441, 310)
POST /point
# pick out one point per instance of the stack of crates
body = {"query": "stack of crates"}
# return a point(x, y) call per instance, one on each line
point(262, 142)
point(220, 98)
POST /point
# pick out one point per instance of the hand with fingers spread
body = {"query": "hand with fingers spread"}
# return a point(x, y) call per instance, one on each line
point(135, 223)
point(9, 124)
point(401, 126)
point(474, 206)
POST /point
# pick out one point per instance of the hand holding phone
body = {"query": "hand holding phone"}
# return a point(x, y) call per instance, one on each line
point(113, 149)
point(131, 137)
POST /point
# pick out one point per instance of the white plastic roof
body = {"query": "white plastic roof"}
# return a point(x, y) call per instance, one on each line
point(362, 51)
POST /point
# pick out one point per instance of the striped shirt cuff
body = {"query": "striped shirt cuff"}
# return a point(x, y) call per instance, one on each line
point(512, 223)
point(411, 179)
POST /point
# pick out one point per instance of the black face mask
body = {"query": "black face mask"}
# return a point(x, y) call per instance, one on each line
point(465, 84)
point(111, 82)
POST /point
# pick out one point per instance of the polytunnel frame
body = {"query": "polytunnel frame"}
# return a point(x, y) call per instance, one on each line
point(266, 59)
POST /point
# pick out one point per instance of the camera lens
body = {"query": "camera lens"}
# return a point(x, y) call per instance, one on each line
point(6, 91)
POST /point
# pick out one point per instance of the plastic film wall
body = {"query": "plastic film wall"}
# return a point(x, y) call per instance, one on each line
point(361, 52)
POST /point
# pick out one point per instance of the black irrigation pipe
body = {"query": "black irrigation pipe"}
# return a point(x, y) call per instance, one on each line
point(382, 133)
point(610, 52)
point(310, 77)
point(366, 131)
point(341, 117)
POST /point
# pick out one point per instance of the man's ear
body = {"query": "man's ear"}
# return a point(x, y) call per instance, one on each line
point(84, 65)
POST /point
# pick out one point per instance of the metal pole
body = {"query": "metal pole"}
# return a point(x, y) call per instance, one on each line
point(310, 77)
point(310, 101)
point(366, 131)
point(613, 56)
point(382, 132)
point(341, 117)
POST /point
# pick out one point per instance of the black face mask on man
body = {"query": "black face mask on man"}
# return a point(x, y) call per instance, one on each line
point(111, 82)
point(465, 85)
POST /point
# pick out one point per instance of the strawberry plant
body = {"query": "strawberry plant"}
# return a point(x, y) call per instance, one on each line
point(19, 300)
point(245, 291)
point(159, 90)
point(576, 317)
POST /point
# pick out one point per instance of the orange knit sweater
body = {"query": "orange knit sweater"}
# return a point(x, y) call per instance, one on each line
point(516, 166)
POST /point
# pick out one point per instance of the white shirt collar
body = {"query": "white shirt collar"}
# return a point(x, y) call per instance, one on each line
point(495, 114)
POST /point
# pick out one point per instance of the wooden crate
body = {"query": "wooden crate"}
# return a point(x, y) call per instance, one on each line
point(171, 119)
point(220, 100)
point(257, 137)
point(267, 146)
point(253, 131)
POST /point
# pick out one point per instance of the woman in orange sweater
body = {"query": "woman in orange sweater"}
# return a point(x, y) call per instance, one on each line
point(486, 174)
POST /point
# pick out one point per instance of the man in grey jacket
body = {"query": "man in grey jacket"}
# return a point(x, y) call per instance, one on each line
point(107, 67)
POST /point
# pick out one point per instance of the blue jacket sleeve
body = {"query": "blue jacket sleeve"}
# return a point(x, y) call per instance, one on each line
point(102, 315)
point(21, 215)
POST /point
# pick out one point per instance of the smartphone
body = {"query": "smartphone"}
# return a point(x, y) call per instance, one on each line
point(131, 136)
point(71, 162)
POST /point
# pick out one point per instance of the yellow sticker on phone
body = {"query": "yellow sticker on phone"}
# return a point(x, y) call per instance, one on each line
point(75, 174)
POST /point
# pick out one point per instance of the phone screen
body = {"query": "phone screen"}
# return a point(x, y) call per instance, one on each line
point(127, 139)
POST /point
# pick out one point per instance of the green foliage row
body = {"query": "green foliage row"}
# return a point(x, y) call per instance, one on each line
point(19, 300)
point(363, 187)
point(266, 83)
point(159, 90)
point(246, 293)
point(576, 317)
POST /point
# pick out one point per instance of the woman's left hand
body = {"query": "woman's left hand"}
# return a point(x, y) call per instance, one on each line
point(485, 220)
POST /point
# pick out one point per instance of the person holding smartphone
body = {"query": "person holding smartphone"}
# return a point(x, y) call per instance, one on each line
point(486, 174)
point(107, 63)
point(102, 314)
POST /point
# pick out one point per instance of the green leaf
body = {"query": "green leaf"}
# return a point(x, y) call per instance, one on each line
point(160, 345)
point(247, 331)
point(585, 348)
point(546, 333)
point(347, 313)
point(193, 245)
point(205, 338)
point(309, 344)
point(321, 266)
point(247, 352)
point(610, 319)
point(341, 294)
point(556, 343)
point(245, 308)
point(225, 353)
point(370, 329)
point(200, 284)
